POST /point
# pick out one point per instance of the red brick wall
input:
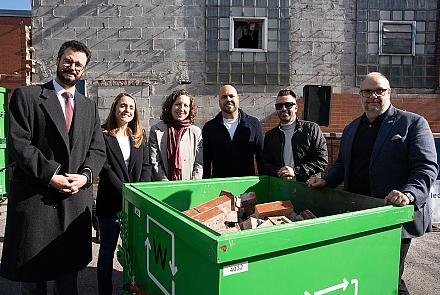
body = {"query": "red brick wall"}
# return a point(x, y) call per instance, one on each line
point(346, 106)
point(13, 51)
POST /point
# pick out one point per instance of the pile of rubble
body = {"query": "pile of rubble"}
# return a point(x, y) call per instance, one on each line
point(228, 213)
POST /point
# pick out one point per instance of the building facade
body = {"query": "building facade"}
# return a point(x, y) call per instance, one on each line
point(149, 48)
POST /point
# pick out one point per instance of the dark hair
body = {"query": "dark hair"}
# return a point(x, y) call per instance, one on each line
point(75, 46)
point(168, 103)
point(134, 126)
point(286, 92)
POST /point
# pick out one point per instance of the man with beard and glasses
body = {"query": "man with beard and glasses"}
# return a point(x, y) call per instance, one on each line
point(232, 140)
point(56, 143)
point(294, 148)
point(390, 154)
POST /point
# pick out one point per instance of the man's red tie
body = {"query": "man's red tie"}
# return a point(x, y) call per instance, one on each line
point(68, 108)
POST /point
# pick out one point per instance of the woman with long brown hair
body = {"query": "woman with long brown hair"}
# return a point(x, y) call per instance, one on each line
point(176, 151)
point(127, 161)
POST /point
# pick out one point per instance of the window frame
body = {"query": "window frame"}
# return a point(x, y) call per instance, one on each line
point(264, 34)
point(398, 22)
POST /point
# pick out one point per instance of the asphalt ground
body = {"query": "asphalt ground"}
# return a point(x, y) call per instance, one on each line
point(422, 268)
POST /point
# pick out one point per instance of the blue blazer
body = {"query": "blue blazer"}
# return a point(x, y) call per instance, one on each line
point(403, 158)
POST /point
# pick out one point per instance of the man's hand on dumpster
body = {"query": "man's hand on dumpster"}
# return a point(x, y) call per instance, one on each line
point(397, 198)
point(286, 172)
point(316, 182)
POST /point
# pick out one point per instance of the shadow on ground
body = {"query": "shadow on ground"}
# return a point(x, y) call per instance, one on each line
point(87, 284)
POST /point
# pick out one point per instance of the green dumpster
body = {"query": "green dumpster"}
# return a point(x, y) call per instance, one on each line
point(4, 179)
point(352, 248)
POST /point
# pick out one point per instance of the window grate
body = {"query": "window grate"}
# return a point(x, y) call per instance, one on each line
point(397, 37)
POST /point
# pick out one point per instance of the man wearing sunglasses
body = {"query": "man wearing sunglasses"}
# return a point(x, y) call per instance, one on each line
point(294, 148)
point(390, 154)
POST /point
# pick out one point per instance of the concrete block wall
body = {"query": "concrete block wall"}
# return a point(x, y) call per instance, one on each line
point(151, 47)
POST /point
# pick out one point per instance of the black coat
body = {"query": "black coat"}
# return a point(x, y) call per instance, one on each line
point(47, 233)
point(309, 150)
point(223, 157)
point(115, 173)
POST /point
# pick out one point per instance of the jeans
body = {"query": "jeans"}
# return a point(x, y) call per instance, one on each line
point(109, 232)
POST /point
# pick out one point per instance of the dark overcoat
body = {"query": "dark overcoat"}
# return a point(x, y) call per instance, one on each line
point(47, 233)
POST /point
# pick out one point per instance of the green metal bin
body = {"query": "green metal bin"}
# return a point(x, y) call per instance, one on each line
point(352, 248)
point(4, 178)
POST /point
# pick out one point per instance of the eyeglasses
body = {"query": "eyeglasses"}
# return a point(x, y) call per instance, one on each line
point(68, 63)
point(367, 93)
point(287, 105)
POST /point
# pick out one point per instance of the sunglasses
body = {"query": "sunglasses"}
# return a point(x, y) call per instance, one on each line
point(287, 105)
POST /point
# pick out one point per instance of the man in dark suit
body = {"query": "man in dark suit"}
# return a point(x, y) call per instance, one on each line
point(232, 140)
point(57, 146)
point(390, 154)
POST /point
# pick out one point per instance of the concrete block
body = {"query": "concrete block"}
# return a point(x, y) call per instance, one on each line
point(85, 34)
point(108, 34)
point(184, 21)
point(63, 33)
point(132, 10)
point(130, 33)
point(187, 44)
point(273, 209)
point(109, 10)
point(141, 67)
point(164, 44)
point(142, 21)
point(98, 22)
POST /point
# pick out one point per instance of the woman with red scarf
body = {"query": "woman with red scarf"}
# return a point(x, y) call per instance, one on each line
point(175, 142)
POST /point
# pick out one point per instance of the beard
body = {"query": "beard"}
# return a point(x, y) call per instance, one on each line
point(229, 108)
point(63, 77)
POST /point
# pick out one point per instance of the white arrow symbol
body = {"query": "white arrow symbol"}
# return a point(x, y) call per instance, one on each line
point(355, 282)
point(342, 286)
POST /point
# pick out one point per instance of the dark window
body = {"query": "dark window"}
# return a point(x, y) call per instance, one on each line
point(248, 34)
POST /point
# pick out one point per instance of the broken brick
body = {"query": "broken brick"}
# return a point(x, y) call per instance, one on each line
point(307, 214)
point(250, 223)
point(191, 212)
point(213, 218)
point(266, 223)
point(223, 203)
point(226, 230)
point(248, 202)
point(278, 220)
point(274, 209)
